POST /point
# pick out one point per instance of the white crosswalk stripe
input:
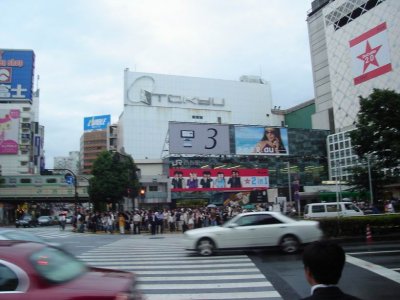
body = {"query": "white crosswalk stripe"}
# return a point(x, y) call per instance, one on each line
point(52, 232)
point(166, 271)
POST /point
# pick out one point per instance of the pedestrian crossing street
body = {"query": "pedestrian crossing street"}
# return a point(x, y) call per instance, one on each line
point(166, 271)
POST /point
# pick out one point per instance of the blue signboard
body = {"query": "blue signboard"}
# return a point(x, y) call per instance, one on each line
point(16, 74)
point(261, 140)
point(96, 123)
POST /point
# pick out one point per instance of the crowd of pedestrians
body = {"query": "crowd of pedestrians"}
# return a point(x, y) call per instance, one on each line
point(156, 221)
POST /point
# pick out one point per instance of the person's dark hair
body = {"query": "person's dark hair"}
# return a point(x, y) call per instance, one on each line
point(325, 260)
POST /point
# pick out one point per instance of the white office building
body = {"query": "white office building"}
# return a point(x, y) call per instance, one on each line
point(152, 100)
point(354, 48)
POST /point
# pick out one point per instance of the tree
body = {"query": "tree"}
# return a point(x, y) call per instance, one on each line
point(359, 181)
point(377, 139)
point(377, 133)
point(114, 176)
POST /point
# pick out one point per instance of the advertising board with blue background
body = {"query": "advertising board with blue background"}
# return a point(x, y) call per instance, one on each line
point(16, 74)
point(96, 123)
point(261, 140)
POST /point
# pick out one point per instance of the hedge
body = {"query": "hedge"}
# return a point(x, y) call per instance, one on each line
point(356, 226)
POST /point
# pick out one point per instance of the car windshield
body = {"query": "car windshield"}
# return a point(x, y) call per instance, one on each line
point(236, 220)
point(231, 221)
point(56, 265)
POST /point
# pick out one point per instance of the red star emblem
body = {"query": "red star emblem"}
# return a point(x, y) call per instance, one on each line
point(369, 56)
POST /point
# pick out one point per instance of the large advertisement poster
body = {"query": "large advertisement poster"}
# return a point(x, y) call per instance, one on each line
point(370, 54)
point(96, 123)
point(16, 74)
point(190, 138)
point(261, 140)
point(9, 128)
point(183, 180)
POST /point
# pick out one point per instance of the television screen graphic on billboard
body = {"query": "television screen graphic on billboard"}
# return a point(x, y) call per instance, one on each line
point(96, 123)
point(16, 74)
point(186, 180)
point(261, 140)
point(9, 128)
point(191, 138)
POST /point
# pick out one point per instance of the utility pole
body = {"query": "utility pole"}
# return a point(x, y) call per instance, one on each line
point(371, 197)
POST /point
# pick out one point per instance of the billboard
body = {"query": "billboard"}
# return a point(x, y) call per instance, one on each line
point(9, 129)
point(370, 54)
point(195, 138)
point(187, 180)
point(261, 140)
point(96, 123)
point(16, 74)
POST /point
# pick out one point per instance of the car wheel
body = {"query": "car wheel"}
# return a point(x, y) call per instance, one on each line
point(289, 244)
point(205, 247)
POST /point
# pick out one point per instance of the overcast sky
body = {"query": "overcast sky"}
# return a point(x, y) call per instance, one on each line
point(83, 46)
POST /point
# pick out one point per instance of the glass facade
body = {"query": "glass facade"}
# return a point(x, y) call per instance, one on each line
point(341, 156)
point(307, 161)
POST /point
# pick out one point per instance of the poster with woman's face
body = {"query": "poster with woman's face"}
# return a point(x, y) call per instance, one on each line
point(261, 140)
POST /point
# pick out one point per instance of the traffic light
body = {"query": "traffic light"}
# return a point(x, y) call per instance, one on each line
point(142, 192)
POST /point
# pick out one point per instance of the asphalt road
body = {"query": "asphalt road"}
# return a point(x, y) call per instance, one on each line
point(372, 270)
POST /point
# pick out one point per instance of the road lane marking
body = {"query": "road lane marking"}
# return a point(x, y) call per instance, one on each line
point(384, 272)
point(169, 286)
point(151, 277)
point(373, 252)
point(236, 295)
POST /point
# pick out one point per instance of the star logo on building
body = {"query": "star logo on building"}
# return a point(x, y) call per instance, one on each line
point(369, 56)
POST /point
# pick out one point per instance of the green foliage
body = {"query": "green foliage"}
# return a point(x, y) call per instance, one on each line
point(114, 176)
point(356, 226)
point(377, 139)
point(359, 180)
point(377, 132)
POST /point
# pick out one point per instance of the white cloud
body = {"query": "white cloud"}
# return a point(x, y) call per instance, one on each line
point(83, 47)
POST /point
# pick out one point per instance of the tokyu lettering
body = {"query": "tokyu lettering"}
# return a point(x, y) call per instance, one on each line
point(176, 99)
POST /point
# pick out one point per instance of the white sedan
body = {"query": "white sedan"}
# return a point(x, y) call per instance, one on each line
point(253, 230)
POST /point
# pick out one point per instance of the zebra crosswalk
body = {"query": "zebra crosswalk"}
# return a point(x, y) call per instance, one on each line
point(166, 271)
point(52, 232)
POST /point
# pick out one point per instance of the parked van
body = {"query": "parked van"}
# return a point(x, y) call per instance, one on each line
point(331, 210)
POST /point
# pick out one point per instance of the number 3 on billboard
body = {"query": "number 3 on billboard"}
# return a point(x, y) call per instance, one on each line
point(212, 137)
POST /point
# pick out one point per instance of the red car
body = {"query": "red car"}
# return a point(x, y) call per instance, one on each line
point(36, 271)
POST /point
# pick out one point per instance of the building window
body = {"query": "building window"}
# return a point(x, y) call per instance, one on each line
point(153, 188)
point(197, 117)
point(25, 180)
